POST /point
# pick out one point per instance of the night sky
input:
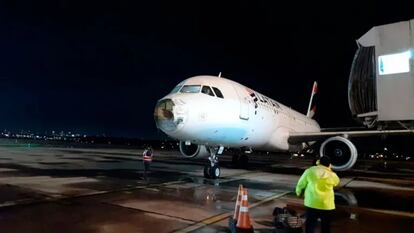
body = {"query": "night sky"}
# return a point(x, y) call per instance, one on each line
point(99, 68)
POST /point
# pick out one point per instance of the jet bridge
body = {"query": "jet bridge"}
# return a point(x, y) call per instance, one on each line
point(381, 82)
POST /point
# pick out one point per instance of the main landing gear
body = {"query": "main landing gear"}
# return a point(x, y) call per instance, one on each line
point(212, 169)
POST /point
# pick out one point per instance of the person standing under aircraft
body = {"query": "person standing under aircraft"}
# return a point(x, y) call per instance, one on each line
point(318, 182)
point(147, 159)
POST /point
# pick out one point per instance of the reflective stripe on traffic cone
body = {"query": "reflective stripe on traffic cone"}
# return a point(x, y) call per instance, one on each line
point(238, 201)
point(233, 221)
point(243, 222)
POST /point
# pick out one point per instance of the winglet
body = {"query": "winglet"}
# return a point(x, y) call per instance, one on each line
point(312, 110)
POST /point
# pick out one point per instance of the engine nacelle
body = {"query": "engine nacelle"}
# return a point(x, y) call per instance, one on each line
point(193, 150)
point(342, 152)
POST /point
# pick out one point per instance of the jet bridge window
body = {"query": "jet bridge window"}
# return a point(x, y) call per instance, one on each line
point(218, 92)
point(207, 90)
point(191, 89)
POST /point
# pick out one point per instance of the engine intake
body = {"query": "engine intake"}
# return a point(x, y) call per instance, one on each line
point(193, 150)
point(342, 152)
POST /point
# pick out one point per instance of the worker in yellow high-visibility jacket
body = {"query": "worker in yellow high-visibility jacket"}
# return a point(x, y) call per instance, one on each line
point(318, 182)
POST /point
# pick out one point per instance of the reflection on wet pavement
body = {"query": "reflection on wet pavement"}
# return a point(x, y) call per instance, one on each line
point(102, 190)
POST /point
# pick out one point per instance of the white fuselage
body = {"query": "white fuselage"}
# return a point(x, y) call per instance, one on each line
point(242, 118)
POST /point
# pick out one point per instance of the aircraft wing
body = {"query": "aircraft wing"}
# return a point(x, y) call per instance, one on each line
point(298, 137)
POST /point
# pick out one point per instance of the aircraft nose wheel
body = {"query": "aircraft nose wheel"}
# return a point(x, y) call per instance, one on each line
point(212, 172)
point(212, 169)
point(215, 172)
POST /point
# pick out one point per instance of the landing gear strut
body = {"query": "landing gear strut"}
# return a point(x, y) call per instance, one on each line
point(212, 169)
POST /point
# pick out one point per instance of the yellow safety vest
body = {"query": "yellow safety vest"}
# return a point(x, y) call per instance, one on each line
point(318, 183)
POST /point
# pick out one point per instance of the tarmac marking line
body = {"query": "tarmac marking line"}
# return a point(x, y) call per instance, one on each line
point(391, 212)
point(204, 223)
point(49, 198)
point(269, 199)
point(7, 203)
point(350, 180)
point(147, 211)
point(63, 197)
point(220, 217)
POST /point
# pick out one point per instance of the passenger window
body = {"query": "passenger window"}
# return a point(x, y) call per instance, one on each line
point(207, 90)
point(218, 92)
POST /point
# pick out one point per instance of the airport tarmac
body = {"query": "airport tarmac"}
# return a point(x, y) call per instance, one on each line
point(61, 189)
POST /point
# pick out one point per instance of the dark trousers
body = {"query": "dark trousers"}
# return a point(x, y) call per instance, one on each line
point(312, 216)
point(146, 168)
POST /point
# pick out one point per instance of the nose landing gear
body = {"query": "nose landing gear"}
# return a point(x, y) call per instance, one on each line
point(212, 169)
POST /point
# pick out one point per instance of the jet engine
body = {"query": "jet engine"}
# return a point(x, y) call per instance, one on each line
point(193, 150)
point(341, 151)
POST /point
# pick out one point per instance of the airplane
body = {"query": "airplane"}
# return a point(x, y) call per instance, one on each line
point(209, 113)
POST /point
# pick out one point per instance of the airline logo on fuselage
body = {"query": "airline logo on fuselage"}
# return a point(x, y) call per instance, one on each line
point(255, 97)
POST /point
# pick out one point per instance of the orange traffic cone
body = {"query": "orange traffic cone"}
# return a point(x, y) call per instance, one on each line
point(244, 224)
point(233, 221)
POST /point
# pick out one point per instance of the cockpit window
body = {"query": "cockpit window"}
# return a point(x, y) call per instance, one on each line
point(207, 90)
point(176, 89)
point(218, 92)
point(191, 89)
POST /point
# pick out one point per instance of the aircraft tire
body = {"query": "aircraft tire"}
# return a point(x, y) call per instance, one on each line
point(215, 172)
point(207, 169)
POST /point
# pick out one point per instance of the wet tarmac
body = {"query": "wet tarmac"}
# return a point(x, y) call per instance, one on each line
point(50, 189)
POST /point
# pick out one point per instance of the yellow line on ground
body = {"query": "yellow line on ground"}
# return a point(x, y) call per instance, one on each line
point(87, 194)
point(220, 217)
point(204, 223)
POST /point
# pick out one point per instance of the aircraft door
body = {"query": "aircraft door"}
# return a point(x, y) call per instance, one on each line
point(244, 108)
point(244, 104)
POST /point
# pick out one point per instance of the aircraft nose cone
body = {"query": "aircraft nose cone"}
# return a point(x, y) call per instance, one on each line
point(167, 115)
point(164, 116)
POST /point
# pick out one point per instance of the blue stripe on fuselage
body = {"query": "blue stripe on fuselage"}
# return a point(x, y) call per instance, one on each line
point(221, 135)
